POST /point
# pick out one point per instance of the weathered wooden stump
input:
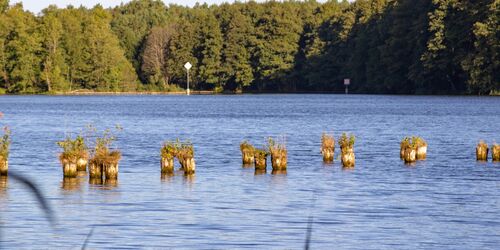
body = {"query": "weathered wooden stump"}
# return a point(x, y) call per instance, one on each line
point(81, 164)
point(410, 154)
point(327, 148)
point(167, 165)
point(4, 166)
point(482, 151)
point(247, 153)
point(347, 157)
point(421, 148)
point(495, 152)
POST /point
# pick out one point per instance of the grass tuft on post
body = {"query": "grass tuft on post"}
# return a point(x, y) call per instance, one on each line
point(421, 145)
point(247, 153)
point(327, 148)
point(260, 159)
point(104, 161)
point(74, 157)
point(482, 151)
point(412, 149)
point(278, 154)
point(168, 153)
point(185, 154)
point(346, 144)
point(495, 152)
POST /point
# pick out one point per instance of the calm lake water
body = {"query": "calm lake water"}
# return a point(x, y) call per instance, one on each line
point(448, 201)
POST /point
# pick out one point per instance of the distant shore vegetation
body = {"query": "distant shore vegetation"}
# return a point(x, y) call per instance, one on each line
point(383, 46)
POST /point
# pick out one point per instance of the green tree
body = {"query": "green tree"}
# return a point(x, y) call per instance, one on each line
point(21, 49)
point(53, 62)
point(482, 64)
point(133, 21)
point(236, 68)
point(208, 50)
point(109, 69)
point(278, 33)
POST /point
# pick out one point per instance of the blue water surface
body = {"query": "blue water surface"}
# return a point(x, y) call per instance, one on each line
point(448, 201)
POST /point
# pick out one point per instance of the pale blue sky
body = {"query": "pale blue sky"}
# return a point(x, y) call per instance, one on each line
point(37, 5)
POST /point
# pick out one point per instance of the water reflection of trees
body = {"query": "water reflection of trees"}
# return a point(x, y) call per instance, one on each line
point(4, 183)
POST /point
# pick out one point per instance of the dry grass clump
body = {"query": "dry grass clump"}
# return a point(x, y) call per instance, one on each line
point(346, 144)
point(327, 147)
point(4, 151)
point(169, 149)
point(278, 154)
point(482, 151)
point(247, 152)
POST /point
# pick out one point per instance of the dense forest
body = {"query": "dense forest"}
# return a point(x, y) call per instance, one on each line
point(383, 46)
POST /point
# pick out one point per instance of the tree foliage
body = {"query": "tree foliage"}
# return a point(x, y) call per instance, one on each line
point(383, 46)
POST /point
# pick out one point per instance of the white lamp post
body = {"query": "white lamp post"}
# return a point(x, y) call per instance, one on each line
point(188, 67)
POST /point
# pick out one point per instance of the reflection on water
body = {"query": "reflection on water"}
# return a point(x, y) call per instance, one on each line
point(110, 184)
point(167, 177)
point(279, 172)
point(382, 204)
point(106, 184)
point(71, 184)
point(96, 181)
point(260, 171)
point(4, 183)
point(189, 180)
point(348, 169)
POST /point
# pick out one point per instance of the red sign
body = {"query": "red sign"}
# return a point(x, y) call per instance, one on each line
point(347, 81)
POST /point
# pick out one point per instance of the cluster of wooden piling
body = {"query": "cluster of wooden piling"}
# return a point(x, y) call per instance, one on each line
point(258, 157)
point(346, 144)
point(183, 151)
point(413, 149)
point(482, 151)
point(101, 160)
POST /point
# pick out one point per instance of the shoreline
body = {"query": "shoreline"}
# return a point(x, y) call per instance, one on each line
point(210, 92)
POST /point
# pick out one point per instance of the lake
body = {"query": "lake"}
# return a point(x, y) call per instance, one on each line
point(448, 201)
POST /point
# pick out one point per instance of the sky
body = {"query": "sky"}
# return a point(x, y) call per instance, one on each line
point(36, 6)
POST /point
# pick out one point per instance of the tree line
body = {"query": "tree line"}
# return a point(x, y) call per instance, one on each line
point(383, 46)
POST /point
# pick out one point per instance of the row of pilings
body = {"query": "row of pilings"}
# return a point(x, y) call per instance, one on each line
point(103, 162)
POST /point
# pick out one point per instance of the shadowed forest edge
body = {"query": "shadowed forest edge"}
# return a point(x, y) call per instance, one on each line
point(383, 46)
